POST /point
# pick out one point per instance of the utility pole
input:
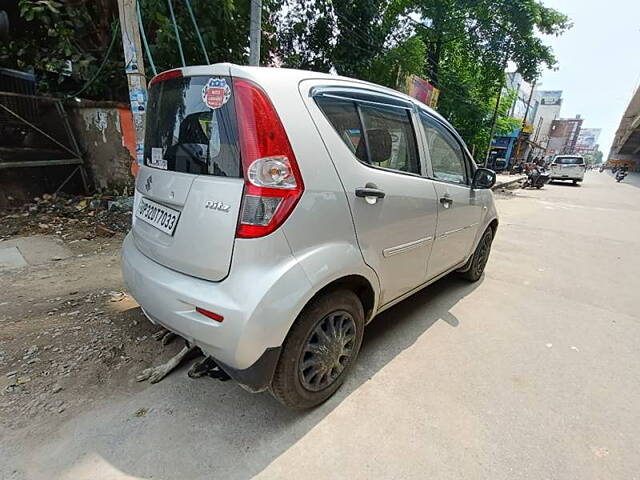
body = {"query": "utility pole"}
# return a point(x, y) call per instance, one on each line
point(493, 121)
point(526, 112)
point(524, 120)
point(134, 68)
point(255, 32)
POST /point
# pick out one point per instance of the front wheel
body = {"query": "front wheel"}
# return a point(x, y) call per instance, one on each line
point(319, 350)
point(480, 258)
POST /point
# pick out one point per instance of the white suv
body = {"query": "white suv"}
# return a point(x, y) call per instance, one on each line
point(567, 167)
point(279, 211)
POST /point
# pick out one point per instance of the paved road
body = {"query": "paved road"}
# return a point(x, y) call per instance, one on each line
point(534, 372)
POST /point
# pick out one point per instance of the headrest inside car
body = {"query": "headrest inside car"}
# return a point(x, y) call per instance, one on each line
point(379, 144)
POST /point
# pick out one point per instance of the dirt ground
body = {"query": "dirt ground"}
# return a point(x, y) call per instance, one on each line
point(69, 334)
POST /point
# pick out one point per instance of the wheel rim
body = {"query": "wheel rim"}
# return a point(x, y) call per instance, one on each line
point(327, 351)
point(483, 255)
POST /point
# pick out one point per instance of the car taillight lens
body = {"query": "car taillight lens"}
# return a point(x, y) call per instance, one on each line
point(273, 184)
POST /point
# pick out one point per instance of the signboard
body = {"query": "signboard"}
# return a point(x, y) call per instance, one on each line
point(551, 97)
point(588, 137)
point(422, 90)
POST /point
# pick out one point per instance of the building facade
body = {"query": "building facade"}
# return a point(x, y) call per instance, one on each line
point(509, 148)
point(547, 112)
point(563, 136)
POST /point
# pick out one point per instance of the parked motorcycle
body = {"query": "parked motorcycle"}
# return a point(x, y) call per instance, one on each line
point(536, 178)
point(517, 169)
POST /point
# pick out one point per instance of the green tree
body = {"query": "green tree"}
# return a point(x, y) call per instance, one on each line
point(368, 39)
point(461, 46)
point(50, 35)
point(58, 41)
point(595, 159)
point(470, 42)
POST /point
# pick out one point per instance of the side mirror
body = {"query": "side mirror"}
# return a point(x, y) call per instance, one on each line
point(483, 178)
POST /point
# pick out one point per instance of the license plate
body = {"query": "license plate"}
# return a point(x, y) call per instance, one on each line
point(159, 216)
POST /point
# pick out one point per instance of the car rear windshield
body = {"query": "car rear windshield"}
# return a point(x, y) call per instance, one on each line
point(191, 127)
point(569, 160)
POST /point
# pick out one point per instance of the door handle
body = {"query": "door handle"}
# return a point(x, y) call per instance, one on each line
point(446, 201)
point(369, 192)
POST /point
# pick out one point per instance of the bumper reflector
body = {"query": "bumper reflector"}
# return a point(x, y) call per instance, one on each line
point(211, 315)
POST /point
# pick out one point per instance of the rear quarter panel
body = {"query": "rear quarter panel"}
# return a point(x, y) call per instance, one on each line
point(320, 231)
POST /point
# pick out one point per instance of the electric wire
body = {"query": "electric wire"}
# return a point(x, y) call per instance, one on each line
point(195, 25)
point(175, 28)
point(115, 29)
point(144, 39)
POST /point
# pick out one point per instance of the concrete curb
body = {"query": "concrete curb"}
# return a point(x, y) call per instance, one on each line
point(506, 183)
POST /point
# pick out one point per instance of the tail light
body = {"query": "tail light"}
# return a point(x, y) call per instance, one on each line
point(273, 184)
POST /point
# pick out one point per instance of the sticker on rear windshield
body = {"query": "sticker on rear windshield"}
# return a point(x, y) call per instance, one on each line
point(216, 93)
point(157, 160)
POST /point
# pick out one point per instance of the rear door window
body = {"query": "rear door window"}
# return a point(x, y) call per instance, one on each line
point(343, 116)
point(390, 138)
point(386, 139)
point(569, 161)
point(185, 134)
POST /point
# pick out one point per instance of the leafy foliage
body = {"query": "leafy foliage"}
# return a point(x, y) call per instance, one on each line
point(461, 46)
point(368, 39)
point(594, 159)
point(470, 42)
point(48, 34)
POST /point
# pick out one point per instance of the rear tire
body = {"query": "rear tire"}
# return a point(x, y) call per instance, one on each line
point(480, 258)
point(325, 338)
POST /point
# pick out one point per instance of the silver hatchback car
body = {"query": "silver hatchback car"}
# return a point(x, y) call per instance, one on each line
point(279, 211)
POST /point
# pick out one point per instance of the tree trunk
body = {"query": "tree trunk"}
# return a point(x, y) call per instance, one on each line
point(435, 50)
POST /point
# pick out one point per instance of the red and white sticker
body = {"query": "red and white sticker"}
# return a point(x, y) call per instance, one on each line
point(216, 93)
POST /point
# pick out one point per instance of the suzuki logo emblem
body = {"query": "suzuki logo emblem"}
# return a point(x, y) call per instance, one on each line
point(147, 184)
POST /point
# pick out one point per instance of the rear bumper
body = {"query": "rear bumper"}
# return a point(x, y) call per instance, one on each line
point(246, 343)
point(566, 176)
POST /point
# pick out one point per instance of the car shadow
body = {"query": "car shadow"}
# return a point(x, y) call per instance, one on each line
point(210, 429)
point(564, 184)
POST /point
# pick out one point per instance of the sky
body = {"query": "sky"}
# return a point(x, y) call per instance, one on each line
point(598, 62)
